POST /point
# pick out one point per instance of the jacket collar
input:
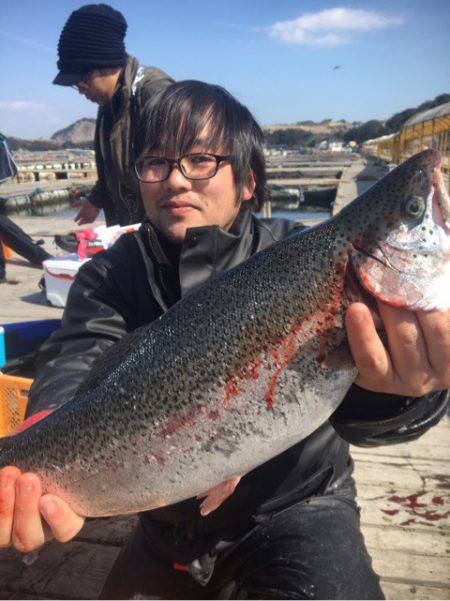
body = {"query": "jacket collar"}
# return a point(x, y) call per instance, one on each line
point(210, 250)
point(206, 251)
point(122, 94)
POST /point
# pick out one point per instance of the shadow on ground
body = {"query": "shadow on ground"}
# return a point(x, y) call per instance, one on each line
point(36, 298)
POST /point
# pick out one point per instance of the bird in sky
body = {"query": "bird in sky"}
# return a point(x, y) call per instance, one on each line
point(336, 67)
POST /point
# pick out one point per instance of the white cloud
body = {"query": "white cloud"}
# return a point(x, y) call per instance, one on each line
point(22, 106)
point(330, 27)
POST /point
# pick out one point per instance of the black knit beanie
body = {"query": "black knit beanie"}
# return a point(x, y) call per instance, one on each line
point(92, 38)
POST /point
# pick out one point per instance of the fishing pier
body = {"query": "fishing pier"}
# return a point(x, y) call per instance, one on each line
point(403, 490)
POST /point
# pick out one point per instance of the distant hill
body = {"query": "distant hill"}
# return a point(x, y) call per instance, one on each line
point(80, 132)
point(326, 127)
point(78, 135)
point(33, 144)
point(306, 133)
point(375, 129)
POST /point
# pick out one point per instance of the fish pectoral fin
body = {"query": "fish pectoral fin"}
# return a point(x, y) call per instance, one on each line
point(217, 495)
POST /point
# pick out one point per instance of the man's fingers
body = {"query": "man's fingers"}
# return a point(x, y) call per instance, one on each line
point(217, 495)
point(436, 330)
point(28, 533)
point(8, 477)
point(63, 522)
point(407, 348)
point(368, 351)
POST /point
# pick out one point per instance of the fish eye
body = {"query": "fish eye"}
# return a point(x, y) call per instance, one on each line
point(414, 206)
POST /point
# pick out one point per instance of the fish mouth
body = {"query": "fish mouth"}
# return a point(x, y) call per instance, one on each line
point(441, 201)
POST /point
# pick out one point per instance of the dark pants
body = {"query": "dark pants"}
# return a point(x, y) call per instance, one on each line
point(20, 242)
point(311, 550)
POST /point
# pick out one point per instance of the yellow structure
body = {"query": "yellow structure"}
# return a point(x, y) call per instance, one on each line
point(381, 147)
point(427, 129)
point(13, 402)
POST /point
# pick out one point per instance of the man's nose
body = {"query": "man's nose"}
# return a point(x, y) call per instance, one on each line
point(177, 179)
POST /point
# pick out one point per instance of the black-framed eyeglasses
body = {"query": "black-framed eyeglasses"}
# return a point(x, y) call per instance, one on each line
point(197, 166)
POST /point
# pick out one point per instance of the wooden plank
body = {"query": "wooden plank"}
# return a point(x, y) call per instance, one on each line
point(418, 509)
point(433, 571)
point(409, 540)
point(74, 570)
point(414, 474)
point(403, 590)
point(109, 531)
point(429, 451)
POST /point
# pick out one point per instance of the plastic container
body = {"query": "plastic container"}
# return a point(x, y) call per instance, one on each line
point(13, 402)
point(2, 347)
point(25, 337)
point(59, 274)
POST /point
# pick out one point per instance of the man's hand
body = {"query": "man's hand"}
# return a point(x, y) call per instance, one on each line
point(22, 509)
point(87, 213)
point(416, 358)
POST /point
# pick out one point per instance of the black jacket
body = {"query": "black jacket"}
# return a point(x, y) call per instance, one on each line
point(133, 283)
point(116, 190)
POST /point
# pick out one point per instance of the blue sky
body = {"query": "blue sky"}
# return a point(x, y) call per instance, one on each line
point(277, 57)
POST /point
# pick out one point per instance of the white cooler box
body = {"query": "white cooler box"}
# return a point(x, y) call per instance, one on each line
point(59, 273)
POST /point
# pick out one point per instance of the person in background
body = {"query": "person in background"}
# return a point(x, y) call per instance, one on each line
point(14, 237)
point(11, 234)
point(93, 60)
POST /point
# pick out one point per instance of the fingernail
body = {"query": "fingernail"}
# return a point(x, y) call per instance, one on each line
point(48, 507)
point(26, 486)
point(359, 316)
point(204, 509)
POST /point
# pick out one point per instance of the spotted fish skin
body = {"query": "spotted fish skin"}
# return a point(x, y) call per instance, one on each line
point(246, 366)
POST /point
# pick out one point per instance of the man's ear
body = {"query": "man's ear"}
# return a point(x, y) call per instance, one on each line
point(249, 188)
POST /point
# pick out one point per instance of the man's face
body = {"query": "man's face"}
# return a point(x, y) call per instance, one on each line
point(178, 203)
point(98, 87)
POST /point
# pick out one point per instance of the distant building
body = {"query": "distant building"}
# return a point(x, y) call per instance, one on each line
point(336, 146)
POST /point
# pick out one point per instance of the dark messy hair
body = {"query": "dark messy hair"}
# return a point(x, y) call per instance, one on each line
point(176, 118)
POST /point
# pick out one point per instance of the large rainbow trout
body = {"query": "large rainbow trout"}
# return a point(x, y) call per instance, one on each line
point(249, 364)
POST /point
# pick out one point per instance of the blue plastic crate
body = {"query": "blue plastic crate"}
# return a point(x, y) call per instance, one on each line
point(2, 348)
point(18, 339)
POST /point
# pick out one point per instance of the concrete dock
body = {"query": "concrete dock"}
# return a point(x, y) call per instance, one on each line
point(403, 490)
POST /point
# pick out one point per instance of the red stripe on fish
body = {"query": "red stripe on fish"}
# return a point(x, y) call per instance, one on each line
point(32, 420)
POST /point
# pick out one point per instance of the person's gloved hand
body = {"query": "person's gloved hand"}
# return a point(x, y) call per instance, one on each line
point(87, 213)
point(28, 519)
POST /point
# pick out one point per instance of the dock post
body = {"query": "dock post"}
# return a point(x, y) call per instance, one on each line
point(267, 209)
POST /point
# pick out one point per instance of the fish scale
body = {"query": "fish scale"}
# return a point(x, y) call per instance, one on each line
point(238, 371)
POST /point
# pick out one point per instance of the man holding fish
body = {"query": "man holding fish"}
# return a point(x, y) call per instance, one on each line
point(245, 462)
